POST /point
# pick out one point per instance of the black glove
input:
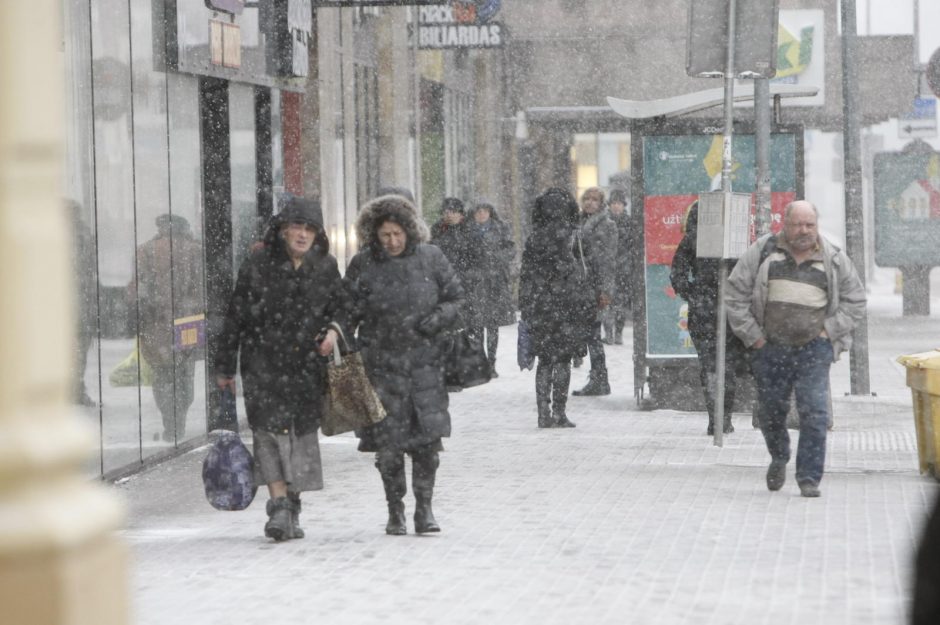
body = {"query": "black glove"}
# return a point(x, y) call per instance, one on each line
point(431, 324)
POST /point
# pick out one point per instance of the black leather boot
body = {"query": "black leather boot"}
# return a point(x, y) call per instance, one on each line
point(296, 531)
point(278, 526)
point(597, 385)
point(424, 469)
point(561, 379)
point(543, 390)
point(391, 467)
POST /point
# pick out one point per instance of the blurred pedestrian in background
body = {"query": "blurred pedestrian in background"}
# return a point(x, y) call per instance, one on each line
point(556, 301)
point(453, 233)
point(168, 286)
point(615, 317)
point(495, 299)
point(286, 295)
point(598, 240)
point(696, 281)
point(405, 296)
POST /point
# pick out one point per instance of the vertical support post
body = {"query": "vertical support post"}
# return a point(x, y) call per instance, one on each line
point(418, 186)
point(726, 164)
point(854, 218)
point(60, 560)
point(762, 146)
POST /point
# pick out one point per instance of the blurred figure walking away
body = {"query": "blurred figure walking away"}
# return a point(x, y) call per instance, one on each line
point(598, 242)
point(84, 270)
point(169, 286)
point(495, 299)
point(405, 296)
point(696, 281)
point(286, 296)
point(556, 301)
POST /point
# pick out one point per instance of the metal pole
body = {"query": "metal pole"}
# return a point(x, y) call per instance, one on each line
point(762, 147)
point(726, 208)
point(418, 188)
point(854, 218)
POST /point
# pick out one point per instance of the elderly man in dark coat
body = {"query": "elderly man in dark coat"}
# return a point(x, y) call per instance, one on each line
point(405, 296)
point(287, 294)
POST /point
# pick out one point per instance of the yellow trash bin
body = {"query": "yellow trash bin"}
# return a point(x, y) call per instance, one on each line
point(923, 376)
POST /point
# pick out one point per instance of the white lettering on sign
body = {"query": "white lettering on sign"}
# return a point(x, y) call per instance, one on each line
point(444, 36)
point(436, 14)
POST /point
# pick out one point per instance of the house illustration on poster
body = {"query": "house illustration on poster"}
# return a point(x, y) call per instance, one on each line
point(920, 200)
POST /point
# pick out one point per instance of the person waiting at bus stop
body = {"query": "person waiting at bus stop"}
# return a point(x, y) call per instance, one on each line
point(695, 280)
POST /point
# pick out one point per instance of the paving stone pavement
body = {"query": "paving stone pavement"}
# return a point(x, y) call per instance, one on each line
point(632, 517)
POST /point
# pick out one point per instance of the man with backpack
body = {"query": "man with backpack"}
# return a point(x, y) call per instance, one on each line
point(795, 307)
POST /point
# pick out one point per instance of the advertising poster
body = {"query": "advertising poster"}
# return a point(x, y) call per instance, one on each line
point(676, 168)
point(907, 209)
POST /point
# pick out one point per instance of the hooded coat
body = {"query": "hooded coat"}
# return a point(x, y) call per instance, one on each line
point(555, 294)
point(390, 296)
point(498, 251)
point(274, 318)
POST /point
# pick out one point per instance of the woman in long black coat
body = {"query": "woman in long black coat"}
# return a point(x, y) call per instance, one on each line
point(405, 296)
point(556, 300)
point(284, 299)
point(494, 298)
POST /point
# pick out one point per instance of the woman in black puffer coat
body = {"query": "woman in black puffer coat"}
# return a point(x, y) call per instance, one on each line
point(556, 300)
point(285, 297)
point(405, 296)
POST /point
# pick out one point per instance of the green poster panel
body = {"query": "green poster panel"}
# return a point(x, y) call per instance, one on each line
point(676, 168)
point(907, 208)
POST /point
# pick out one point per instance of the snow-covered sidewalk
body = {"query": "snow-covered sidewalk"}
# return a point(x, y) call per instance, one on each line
point(632, 517)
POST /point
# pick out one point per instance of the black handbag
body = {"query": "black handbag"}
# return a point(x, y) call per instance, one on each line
point(465, 362)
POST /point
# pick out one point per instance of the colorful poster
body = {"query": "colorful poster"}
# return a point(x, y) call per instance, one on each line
point(676, 168)
point(907, 209)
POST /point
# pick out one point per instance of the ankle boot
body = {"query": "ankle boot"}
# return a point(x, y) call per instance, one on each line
point(391, 467)
point(278, 526)
point(424, 470)
point(543, 389)
point(396, 525)
point(296, 531)
point(561, 378)
point(597, 385)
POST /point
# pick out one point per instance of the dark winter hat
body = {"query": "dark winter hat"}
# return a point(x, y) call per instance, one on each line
point(555, 206)
point(618, 195)
point(399, 191)
point(300, 210)
point(452, 204)
point(167, 223)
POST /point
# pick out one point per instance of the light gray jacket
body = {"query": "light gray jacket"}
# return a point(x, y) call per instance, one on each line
point(599, 240)
point(746, 295)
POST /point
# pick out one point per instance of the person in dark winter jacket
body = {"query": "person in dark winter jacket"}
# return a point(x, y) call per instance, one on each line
point(598, 239)
point(925, 607)
point(495, 303)
point(615, 317)
point(696, 281)
point(556, 301)
point(454, 235)
point(405, 297)
point(286, 296)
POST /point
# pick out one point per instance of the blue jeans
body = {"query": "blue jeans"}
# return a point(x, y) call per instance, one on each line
point(777, 371)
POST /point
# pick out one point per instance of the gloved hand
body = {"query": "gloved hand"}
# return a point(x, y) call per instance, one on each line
point(431, 324)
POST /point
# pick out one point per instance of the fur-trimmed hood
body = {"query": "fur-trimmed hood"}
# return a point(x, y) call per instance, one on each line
point(394, 208)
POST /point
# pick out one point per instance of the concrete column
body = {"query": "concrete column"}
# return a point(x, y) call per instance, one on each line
point(60, 561)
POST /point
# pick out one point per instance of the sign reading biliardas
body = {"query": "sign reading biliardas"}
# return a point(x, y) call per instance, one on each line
point(443, 26)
